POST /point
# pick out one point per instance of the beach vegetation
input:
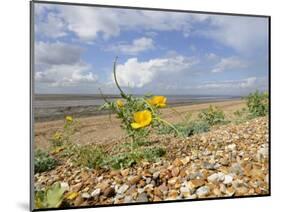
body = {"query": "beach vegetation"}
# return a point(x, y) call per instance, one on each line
point(50, 196)
point(241, 115)
point(187, 129)
point(138, 115)
point(257, 103)
point(213, 115)
point(87, 156)
point(127, 159)
point(43, 161)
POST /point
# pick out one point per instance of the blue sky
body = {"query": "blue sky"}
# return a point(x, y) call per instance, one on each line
point(159, 52)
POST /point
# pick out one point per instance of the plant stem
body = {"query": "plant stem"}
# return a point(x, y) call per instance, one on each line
point(162, 120)
point(169, 124)
point(115, 79)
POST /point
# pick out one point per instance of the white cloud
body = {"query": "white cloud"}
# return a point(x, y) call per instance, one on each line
point(60, 64)
point(229, 63)
point(244, 34)
point(87, 23)
point(243, 83)
point(134, 73)
point(211, 56)
point(57, 53)
point(66, 75)
point(138, 45)
point(53, 27)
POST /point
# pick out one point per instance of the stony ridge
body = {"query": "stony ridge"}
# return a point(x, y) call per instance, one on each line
point(231, 160)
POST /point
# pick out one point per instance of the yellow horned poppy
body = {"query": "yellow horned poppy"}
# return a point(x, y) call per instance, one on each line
point(56, 150)
point(158, 101)
point(142, 119)
point(69, 119)
point(120, 103)
point(57, 136)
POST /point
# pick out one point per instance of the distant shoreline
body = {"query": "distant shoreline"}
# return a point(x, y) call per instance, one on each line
point(44, 114)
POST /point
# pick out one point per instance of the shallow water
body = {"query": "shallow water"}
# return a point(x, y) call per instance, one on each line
point(56, 106)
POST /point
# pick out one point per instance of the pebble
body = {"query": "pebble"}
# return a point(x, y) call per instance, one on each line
point(210, 166)
point(216, 177)
point(86, 195)
point(122, 189)
point(227, 179)
point(96, 192)
point(177, 162)
point(103, 185)
point(142, 197)
point(65, 186)
point(77, 187)
point(231, 147)
point(236, 169)
point(175, 171)
point(225, 164)
point(185, 191)
point(125, 172)
point(133, 179)
point(128, 199)
point(109, 192)
point(193, 184)
point(262, 153)
point(203, 191)
point(185, 160)
point(156, 175)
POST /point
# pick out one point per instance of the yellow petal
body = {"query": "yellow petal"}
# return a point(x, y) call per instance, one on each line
point(142, 119)
point(138, 116)
point(119, 103)
point(135, 125)
point(57, 150)
point(69, 119)
point(161, 105)
point(158, 101)
point(71, 195)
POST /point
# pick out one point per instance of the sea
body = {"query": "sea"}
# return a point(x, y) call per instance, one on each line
point(55, 106)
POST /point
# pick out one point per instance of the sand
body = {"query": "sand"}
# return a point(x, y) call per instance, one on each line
point(101, 129)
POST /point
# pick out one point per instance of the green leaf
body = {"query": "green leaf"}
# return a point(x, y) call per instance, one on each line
point(54, 195)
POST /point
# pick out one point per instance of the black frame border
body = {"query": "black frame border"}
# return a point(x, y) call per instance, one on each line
point(31, 98)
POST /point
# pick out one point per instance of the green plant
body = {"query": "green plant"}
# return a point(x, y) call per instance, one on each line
point(240, 113)
point(63, 137)
point(87, 155)
point(152, 154)
point(213, 115)
point(122, 160)
point(138, 115)
point(43, 161)
point(241, 116)
point(127, 159)
point(257, 103)
point(50, 197)
point(187, 129)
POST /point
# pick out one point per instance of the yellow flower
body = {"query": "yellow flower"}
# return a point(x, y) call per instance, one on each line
point(142, 119)
point(57, 150)
point(57, 136)
point(69, 119)
point(120, 103)
point(158, 101)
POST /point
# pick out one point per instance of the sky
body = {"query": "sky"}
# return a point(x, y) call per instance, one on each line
point(158, 52)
